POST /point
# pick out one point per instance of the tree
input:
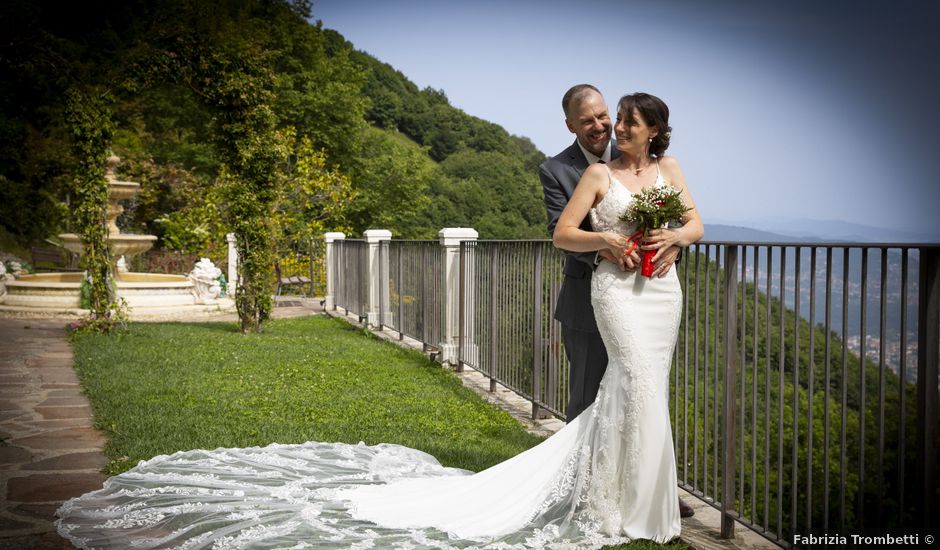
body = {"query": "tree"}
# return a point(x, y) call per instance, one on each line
point(315, 198)
point(252, 151)
point(517, 209)
point(224, 62)
point(391, 184)
point(317, 86)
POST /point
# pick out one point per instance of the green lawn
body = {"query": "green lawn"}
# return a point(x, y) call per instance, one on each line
point(167, 387)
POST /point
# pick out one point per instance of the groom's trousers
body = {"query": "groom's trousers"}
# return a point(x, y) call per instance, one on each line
point(587, 358)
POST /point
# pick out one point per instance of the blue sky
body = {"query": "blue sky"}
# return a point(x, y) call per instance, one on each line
point(823, 110)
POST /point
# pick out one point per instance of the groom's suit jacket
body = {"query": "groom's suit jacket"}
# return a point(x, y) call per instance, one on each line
point(559, 175)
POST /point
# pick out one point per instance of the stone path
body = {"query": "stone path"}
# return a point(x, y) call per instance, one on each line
point(49, 449)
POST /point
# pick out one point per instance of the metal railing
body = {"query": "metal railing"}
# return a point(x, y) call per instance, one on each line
point(351, 260)
point(509, 298)
point(804, 387)
point(415, 289)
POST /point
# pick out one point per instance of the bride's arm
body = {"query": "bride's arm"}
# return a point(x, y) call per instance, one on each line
point(568, 235)
point(692, 228)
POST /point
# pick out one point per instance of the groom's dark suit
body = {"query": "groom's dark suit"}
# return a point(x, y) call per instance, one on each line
point(587, 356)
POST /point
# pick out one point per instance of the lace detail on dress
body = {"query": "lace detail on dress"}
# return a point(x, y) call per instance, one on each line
point(605, 216)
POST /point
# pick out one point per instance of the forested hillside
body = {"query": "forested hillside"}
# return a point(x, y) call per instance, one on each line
point(368, 149)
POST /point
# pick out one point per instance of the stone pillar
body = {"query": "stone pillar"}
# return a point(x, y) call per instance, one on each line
point(331, 274)
point(378, 302)
point(232, 278)
point(450, 239)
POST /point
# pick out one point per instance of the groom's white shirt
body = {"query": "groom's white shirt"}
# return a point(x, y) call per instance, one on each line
point(591, 157)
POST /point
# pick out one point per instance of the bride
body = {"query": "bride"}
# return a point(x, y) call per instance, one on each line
point(607, 477)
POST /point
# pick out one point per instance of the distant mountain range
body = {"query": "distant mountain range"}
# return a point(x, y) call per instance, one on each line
point(719, 232)
point(869, 293)
point(770, 230)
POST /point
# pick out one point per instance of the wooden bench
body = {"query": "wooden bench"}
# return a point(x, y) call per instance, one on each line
point(289, 280)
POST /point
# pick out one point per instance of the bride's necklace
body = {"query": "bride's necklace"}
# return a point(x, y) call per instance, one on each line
point(636, 171)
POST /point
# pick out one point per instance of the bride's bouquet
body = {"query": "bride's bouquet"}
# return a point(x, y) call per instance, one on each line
point(652, 208)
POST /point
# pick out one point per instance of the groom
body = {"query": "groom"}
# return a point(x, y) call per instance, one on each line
point(587, 118)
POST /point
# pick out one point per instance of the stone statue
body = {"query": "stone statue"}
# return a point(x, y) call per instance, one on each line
point(205, 278)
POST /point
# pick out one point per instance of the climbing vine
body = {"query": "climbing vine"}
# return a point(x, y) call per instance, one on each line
point(89, 120)
point(253, 152)
point(237, 83)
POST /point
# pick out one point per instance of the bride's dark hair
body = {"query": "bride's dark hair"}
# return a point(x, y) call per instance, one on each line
point(654, 112)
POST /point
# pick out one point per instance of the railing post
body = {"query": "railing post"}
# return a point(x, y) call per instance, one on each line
point(928, 349)
point(340, 274)
point(376, 276)
point(450, 239)
point(731, 367)
point(332, 275)
point(232, 282)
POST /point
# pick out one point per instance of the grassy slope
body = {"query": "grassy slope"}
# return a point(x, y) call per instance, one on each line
point(167, 387)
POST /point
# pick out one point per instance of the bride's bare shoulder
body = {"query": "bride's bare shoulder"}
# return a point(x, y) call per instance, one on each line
point(596, 172)
point(671, 171)
point(669, 164)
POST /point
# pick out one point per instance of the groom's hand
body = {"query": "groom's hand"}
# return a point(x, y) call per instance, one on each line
point(620, 261)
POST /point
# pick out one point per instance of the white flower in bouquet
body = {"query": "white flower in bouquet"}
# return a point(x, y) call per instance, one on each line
point(653, 208)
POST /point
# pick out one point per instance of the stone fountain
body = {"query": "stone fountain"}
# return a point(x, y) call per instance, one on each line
point(121, 244)
point(147, 294)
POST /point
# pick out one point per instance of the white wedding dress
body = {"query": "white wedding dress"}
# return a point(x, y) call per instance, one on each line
point(607, 477)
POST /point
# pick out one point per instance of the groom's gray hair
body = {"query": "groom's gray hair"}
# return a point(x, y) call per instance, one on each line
point(575, 94)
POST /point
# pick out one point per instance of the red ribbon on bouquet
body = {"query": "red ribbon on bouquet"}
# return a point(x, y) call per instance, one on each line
point(646, 266)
